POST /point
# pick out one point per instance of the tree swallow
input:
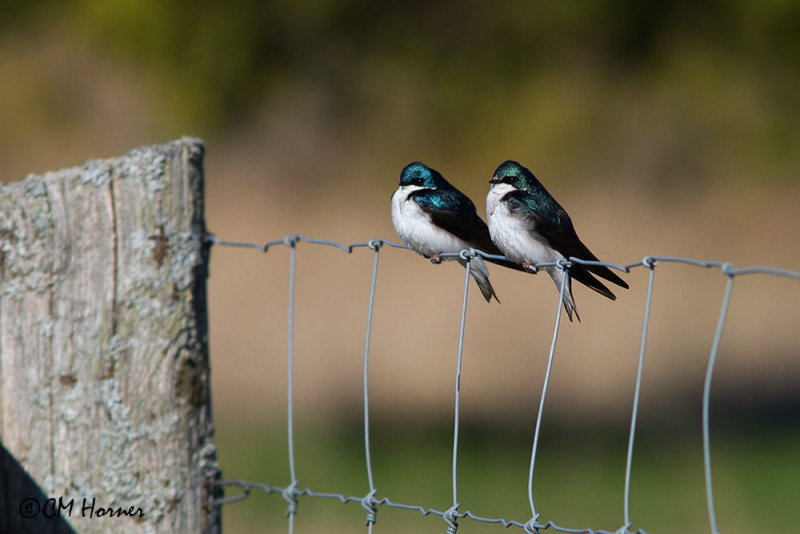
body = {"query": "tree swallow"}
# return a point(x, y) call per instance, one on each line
point(529, 226)
point(433, 217)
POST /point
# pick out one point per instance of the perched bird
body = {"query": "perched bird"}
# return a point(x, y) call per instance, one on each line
point(529, 227)
point(432, 217)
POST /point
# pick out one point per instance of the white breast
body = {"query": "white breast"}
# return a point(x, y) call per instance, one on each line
point(415, 228)
point(512, 235)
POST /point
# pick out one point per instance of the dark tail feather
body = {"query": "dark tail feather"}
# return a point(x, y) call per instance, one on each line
point(604, 272)
point(508, 263)
point(570, 309)
point(482, 279)
point(486, 290)
point(569, 301)
point(599, 270)
point(582, 275)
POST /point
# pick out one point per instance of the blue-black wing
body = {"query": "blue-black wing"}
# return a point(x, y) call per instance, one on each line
point(546, 218)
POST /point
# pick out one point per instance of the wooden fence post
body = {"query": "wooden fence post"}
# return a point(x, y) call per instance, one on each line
point(105, 405)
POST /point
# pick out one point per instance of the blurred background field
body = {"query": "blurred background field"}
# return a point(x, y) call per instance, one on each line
point(663, 128)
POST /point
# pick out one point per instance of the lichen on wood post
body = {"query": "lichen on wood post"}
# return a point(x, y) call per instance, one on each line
point(104, 375)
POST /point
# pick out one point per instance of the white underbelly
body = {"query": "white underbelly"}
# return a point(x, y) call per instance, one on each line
point(512, 235)
point(415, 228)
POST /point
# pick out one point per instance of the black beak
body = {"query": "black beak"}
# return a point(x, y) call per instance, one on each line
point(494, 180)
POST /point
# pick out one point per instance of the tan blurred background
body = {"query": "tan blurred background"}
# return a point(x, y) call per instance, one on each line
point(668, 129)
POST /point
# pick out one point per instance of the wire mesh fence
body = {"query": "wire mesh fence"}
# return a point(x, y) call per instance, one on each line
point(371, 502)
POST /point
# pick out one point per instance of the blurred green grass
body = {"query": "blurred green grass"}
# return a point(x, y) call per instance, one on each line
point(578, 484)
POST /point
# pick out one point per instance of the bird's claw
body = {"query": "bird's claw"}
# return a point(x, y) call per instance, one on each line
point(436, 259)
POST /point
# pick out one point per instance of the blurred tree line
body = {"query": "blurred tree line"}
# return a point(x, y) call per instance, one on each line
point(230, 54)
point(467, 64)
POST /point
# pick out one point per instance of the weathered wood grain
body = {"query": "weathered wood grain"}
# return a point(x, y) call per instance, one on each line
point(104, 376)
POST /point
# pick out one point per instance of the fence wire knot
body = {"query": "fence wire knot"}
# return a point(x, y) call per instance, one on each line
point(375, 244)
point(649, 262)
point(532, 525)
point(241, 484)
point(290, 496)
point(368, 503)
point(451, 516)
point(728, 269)
point(290, 240)
point(563, 264)
point(467, 254)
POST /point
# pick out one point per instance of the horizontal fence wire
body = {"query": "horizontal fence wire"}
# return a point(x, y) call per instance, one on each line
point(647, 262)
point(451, 516)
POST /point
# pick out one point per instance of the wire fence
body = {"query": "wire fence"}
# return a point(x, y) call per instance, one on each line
point(370, 502)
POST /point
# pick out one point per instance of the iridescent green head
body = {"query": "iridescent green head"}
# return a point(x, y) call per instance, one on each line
point(420, 175)
point(515, 175)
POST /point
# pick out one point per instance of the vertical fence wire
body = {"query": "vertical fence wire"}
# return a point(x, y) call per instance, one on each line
point(289, 494)
point(367, 502)
point(636, 395)
point(712, 518)
point(451, 517)
point(537, 431)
